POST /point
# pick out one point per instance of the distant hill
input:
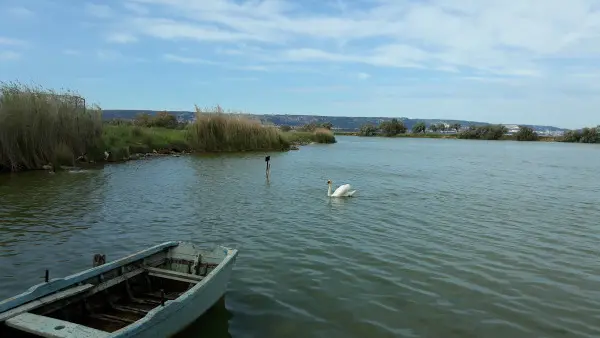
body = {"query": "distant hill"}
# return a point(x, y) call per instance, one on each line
point(343, 123)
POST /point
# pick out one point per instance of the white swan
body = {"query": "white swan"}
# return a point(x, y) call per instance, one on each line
point(342, 191)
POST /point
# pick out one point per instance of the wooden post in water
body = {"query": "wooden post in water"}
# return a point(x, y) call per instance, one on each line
point(267, 159)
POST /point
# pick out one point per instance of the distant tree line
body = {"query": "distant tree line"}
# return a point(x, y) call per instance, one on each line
point(310, 127)
point(585, 135)
point(487, 132)
point(395, 127)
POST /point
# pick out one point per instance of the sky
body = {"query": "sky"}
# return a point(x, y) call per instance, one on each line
point(497, 61)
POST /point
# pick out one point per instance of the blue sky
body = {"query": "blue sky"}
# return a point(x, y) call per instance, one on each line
point(527, 61)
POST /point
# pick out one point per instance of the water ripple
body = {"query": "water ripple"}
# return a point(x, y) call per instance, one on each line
point(446, 238)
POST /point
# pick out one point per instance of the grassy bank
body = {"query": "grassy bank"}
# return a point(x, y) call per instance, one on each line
point(320, 135)
point(40, 127)
point(450, 136)
point(411, 135)
point(43, 128)
point(214, 130)
point(123, 141)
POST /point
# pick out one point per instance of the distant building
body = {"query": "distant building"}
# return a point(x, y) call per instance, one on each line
point(512, 129)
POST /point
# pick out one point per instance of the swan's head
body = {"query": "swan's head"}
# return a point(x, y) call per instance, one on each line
point(328, 181)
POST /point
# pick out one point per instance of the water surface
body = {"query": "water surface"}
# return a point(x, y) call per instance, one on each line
point(445, 238)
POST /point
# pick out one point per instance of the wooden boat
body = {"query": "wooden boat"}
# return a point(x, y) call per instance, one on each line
point(156, 292)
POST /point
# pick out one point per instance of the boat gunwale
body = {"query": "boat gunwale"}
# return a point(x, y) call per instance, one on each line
point(173, 305)
point(58, 284)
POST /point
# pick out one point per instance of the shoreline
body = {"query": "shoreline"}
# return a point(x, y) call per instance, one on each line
point(161, 153)
point(451, 136)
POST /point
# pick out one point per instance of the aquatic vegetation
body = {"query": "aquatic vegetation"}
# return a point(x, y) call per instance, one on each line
point(38, 127)
point(214, 130)
point(323, 135)
point(122, 141)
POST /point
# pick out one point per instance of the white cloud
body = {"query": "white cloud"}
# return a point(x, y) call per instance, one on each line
point(135, 8)
point(121, 38)
point(20, 12)
point(99, 11)
point(193, 60)
point(12, 42)
point(9, 55)
point(493, 36)
point(108, 54)
point(184, 59)
point(71, 52)
point(363, 76)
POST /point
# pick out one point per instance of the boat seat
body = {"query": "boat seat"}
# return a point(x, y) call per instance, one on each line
point(45, 300)
point(174, 275)
point(51, 327)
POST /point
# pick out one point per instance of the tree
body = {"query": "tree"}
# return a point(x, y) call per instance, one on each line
point(487, 132)
point(590, 135)
point(368, 129)
point(285, 128)
point(526, 134)
point(327, 125)
point(442, 127)
point(143, 119)
point(434, 128)
point(309, 127)
point(164, 119)
point(419, 128)
point(456, 126)
point(392, 128)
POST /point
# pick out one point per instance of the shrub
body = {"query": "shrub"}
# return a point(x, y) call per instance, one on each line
point(392, 127)
point(368, 129)
point(323, 135)
point(487, 132)
point(38, 127)
point(526, 134)
point(218, 131)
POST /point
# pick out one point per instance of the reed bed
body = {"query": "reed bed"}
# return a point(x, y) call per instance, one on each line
point(39, 127)
point(324, 135)
point(217, 131)
point(320, 135)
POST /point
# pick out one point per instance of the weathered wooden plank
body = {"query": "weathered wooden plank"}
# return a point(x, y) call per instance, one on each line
point(111, 318)
point(45, 300)
point(131, 309)
point(52, 327)
point(170, 273)
point(43, 289)
point(86, 291)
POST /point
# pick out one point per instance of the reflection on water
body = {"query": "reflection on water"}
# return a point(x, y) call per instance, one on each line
point(59, 199)
point(214, 323)
point(444, 238)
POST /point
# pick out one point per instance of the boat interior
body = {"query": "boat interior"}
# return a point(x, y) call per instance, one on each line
point(106, 302)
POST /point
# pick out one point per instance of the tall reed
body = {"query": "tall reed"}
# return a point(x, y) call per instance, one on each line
point(324, 135)
point(214, 131)
point(38, 127)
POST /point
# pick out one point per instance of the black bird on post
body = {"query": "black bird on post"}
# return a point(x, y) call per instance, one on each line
point(267, 159)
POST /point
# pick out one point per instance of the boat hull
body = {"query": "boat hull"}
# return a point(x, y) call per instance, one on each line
point(165, 267)
point(176, 315)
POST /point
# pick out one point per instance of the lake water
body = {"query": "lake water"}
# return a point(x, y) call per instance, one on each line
point(445, 238)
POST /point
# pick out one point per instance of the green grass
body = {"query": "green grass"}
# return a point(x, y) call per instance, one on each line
point(426, 135)
point(407, 135)
point(39, 127)
point(323, 135)
point(123, 140)
point(299, 137)
point(216, 131)
point(320, 135)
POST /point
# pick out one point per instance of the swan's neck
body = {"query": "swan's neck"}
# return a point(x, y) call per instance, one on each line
point(329, 191)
